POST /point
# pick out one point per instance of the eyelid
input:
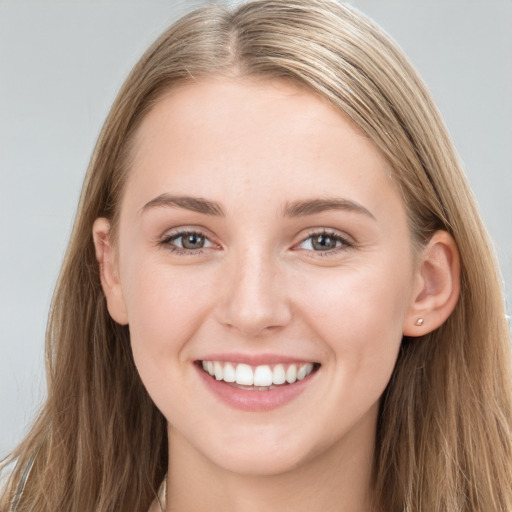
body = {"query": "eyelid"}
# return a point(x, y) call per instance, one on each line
point(186, 229)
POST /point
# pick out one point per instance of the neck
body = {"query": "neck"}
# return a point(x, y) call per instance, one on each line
point(338, 479)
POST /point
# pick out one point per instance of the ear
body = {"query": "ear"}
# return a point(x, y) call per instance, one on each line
point(105, 255)
point(437, 286)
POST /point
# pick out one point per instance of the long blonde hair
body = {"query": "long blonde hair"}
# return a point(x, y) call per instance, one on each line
point(444, 429)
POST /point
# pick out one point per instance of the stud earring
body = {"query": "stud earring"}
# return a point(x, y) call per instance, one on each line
point(419, 322)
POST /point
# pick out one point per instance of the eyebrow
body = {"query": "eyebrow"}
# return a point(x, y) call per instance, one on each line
point(195, 204)
point(313, 206)
point(292, 209)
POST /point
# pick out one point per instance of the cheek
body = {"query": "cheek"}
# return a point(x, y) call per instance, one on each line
point(165, 309)
point(359, 315)
point(358, 300)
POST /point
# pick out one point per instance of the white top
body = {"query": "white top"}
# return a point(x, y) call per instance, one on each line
point(159, 504)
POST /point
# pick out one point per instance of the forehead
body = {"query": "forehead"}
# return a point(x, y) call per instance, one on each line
point(227, 138)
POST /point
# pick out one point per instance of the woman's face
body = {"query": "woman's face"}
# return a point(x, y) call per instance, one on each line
point(261, 236)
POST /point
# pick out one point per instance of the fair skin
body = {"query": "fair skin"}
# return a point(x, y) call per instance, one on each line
point(304, 257)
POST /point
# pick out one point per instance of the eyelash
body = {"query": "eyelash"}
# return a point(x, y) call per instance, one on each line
point(345, 243)
point(168, 242)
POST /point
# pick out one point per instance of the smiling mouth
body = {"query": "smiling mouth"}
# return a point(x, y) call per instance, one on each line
point(257, 378)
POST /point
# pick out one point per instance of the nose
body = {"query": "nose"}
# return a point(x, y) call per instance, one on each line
point(254, 300)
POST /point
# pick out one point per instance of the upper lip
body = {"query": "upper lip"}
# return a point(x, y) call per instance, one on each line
point(254, 359)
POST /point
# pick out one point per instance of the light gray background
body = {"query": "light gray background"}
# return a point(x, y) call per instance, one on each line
point(61, 64)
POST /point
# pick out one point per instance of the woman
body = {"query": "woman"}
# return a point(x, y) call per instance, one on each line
point(278, 291)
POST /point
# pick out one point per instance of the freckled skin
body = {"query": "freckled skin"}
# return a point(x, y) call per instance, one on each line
point(259, 285)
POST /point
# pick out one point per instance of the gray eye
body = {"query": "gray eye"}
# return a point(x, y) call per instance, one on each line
point(324, 242)
point(191, 241)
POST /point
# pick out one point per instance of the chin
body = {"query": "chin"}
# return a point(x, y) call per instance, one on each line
point(260, 464)
point(261, 458)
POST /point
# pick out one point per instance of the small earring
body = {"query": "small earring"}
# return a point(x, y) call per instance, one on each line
point(419, 322)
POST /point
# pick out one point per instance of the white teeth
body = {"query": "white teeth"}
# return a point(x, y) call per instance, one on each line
point(278, 375)
point(219, 372)
point(244, 375)
point(229, 373)
point(291, 374)
point(262, 376)
point(304, 371)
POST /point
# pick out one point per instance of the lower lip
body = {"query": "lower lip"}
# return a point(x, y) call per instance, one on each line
point(251, 400)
